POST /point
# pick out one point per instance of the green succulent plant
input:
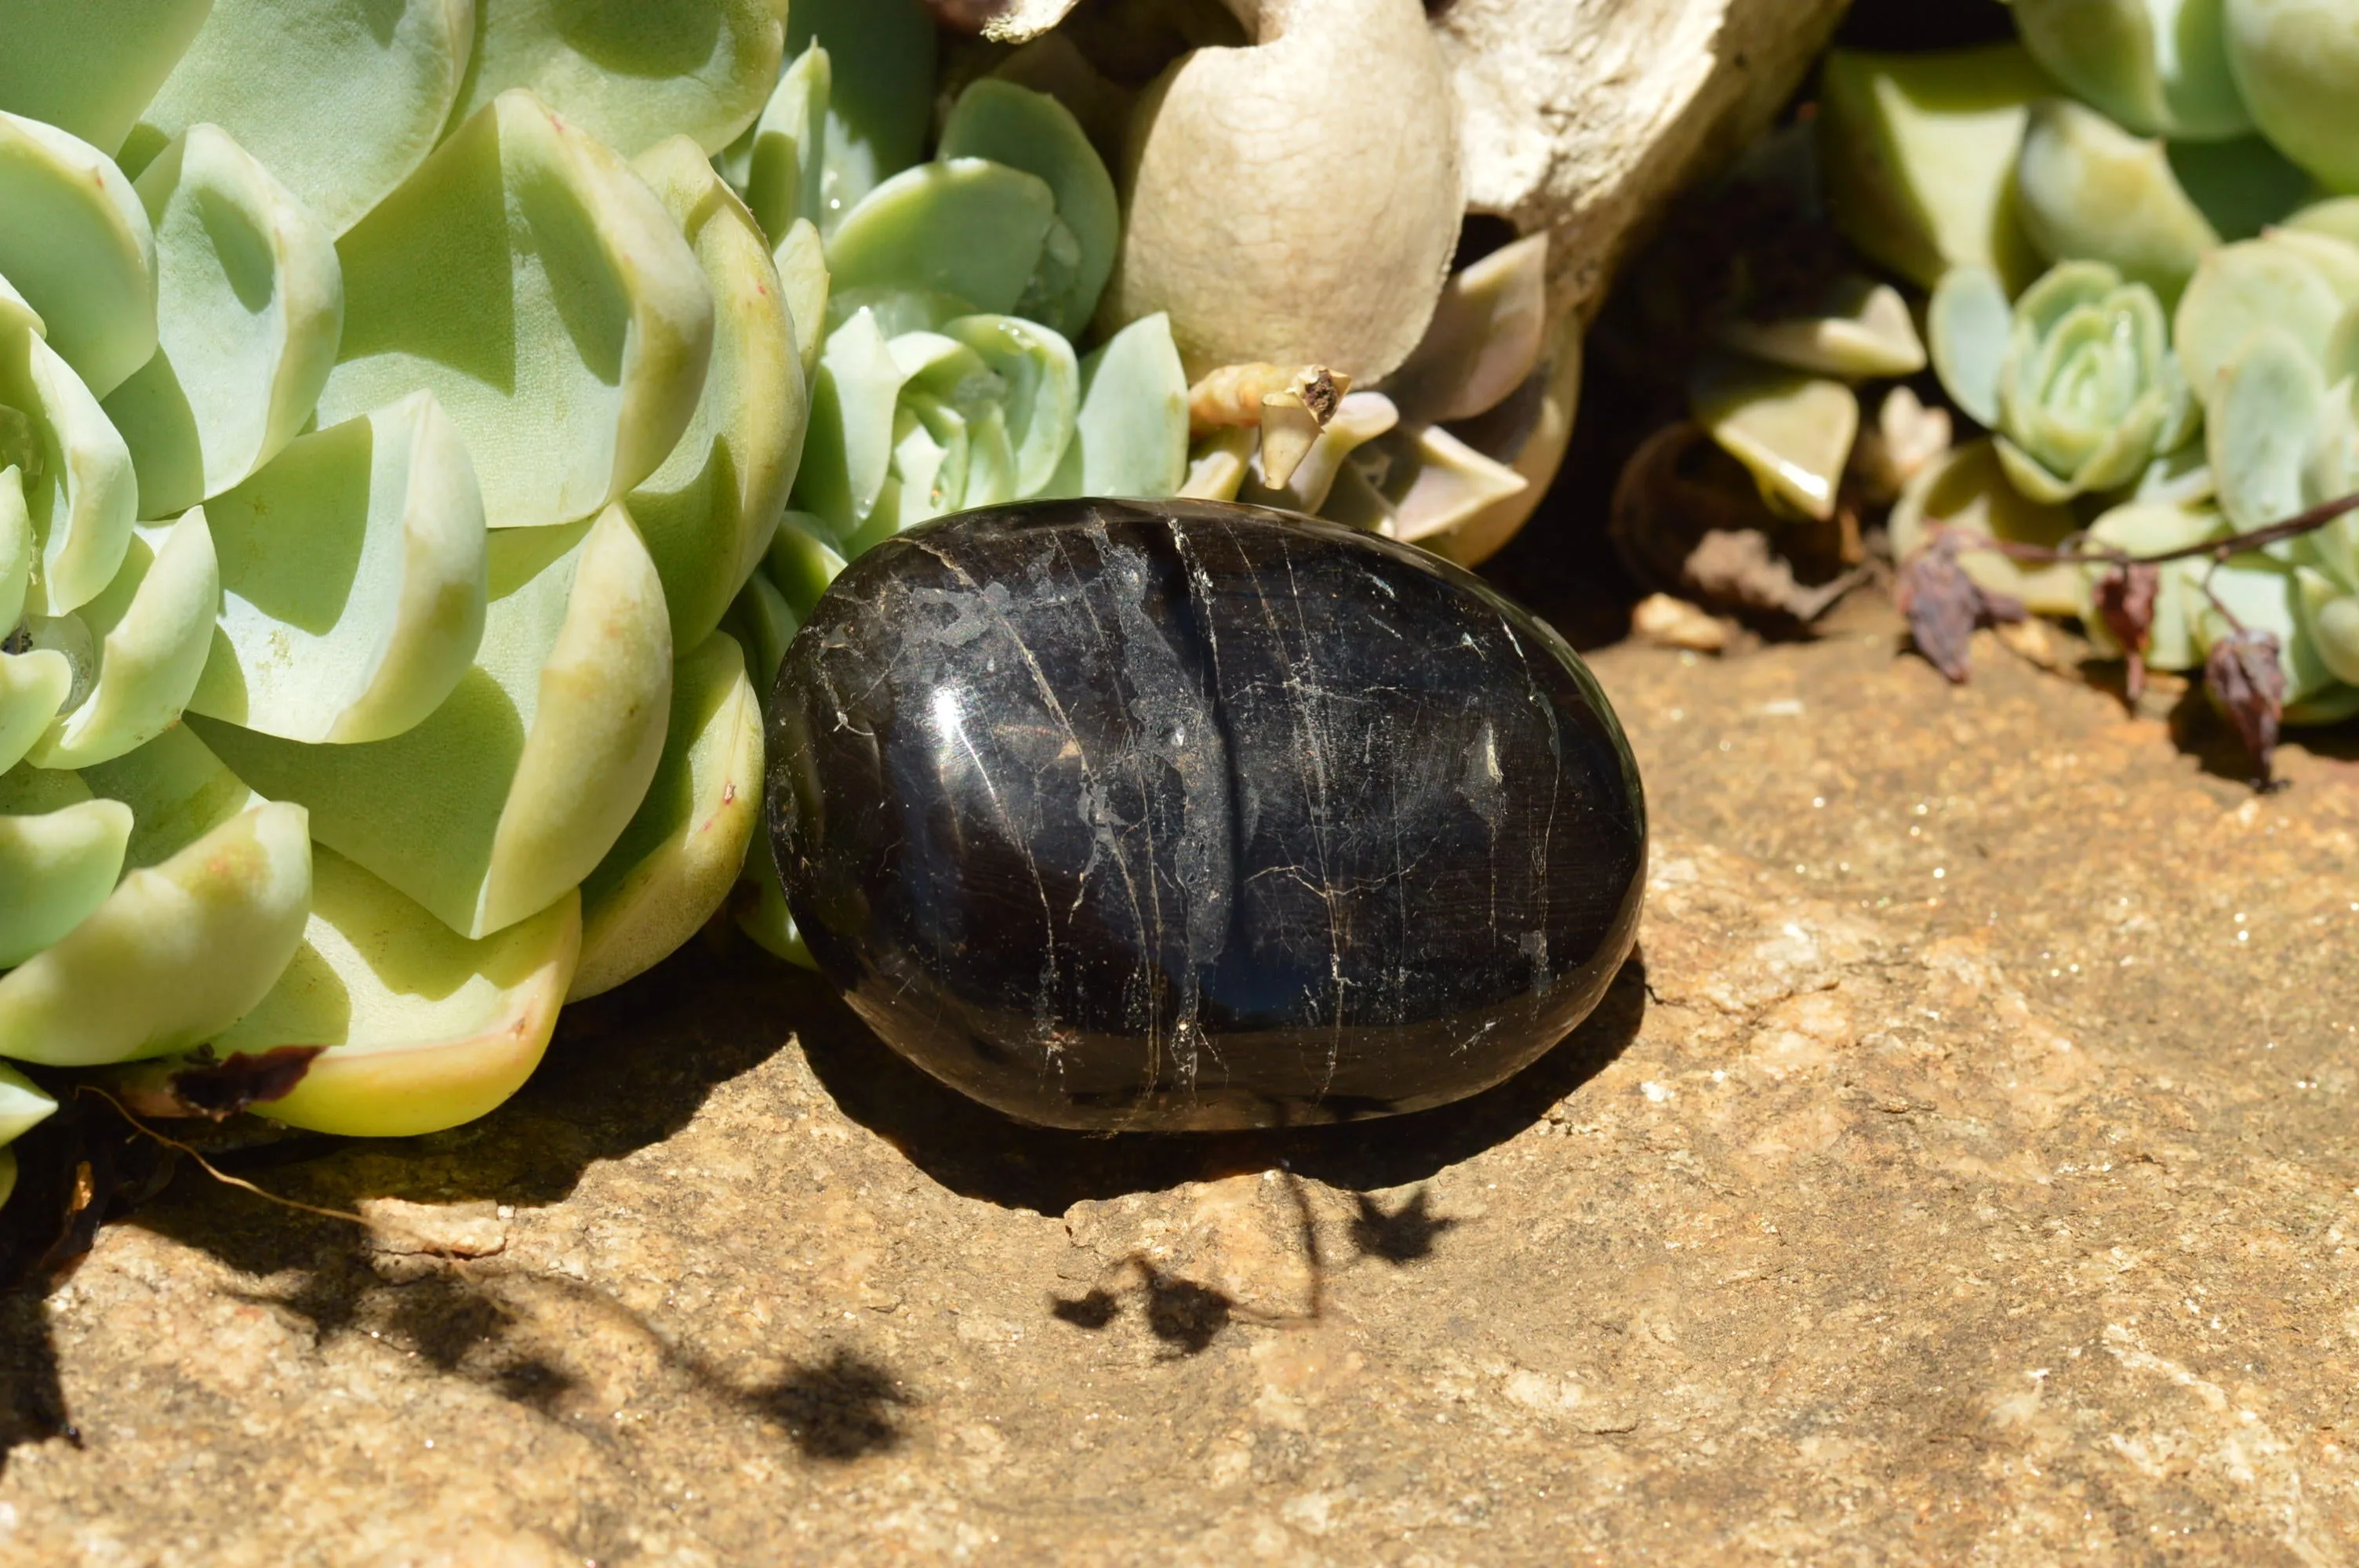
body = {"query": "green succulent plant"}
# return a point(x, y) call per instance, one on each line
point(394, 401)
point(2084, 393)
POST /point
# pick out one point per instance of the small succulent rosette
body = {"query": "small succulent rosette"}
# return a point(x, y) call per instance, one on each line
point(2076, 378)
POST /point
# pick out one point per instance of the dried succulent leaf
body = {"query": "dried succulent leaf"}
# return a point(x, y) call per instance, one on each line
point(1337, 257)
point(2125, 603)
point(2247, 681)
point(1943, 605)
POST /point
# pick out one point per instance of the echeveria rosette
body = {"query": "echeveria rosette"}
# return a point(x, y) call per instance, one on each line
point(2086, 391)
point(948, 378)
point(373, 433)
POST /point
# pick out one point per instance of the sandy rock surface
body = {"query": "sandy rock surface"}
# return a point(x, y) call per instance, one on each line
point(1964, 1174)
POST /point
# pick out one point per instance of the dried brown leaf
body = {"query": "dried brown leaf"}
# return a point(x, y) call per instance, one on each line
point(2247, 681)
point(2126, 597)
point(222, 1089)
point(1943, 605)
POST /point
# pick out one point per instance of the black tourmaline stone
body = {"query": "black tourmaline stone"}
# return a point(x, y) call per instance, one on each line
point(1172, 814)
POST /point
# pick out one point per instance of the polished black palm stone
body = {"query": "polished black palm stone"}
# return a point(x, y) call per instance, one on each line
point(1133, 815)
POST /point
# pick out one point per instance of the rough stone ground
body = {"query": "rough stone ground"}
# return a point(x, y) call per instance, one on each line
point(1964, 1174)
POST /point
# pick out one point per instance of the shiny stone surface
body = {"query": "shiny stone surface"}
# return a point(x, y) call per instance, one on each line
point(1155, 816)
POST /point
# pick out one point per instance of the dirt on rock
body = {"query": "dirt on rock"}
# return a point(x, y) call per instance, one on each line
point(1964, 1171)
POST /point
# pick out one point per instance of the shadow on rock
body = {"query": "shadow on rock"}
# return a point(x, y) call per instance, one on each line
point(980, 1153)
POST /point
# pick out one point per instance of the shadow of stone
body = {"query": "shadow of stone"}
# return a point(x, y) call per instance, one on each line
point(980, 1153)
point(32, 1402)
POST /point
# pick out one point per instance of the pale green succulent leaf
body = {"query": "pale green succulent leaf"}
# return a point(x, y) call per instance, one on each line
point(178, 791)
point(1043, 383)
point(631, 72)
point(514, 788)
point(2242, 186)
point(2240, 289)
point(708, 512)
point(1919, 152)
point(880, 102)
point(176, 954)
point(1130, 434)
point(89, 69)
point(801, 257)
point(674, 865)
point(802, 562)
point(424, 1028)
point(24, 1104)
point(1794, 432)
point(251, 304)
point(2159, 66)
point(33, 686)
point(2334, 627)
point(1032, 132)
point(377, 79)
point(1862, 330)
point(1488, 331)
point(1969, 322)
point(2268, 404)
point(762, 623)
point(1968, 488)
point(2090, 191)
point(353, 580)
point(2337, 216)
point(777, 166)
point(763, 915)
point(1217, 467)
point(849, 449)
point(525, 277)
point(19, 549)
point(2033, 477)
point(2296, 63)
point(2333, 258)
point(968, 227)
point(64, 460)
point(76, 245)
point(138, 648)
point(1433, 482)
point(57, 867)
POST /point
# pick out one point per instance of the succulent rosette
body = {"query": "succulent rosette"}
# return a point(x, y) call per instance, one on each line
point(2085, 391)
point(394, 400)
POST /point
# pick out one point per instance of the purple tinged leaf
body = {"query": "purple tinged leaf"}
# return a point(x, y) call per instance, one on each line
point(2126, 597)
